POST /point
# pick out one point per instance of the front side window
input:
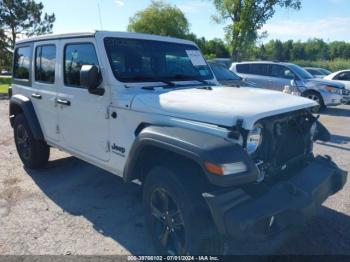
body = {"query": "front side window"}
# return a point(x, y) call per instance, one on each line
point(22, 59)
point(75, 56)
point(136, 60)
point(345, 76)
point(45, 62)
point(281, 72)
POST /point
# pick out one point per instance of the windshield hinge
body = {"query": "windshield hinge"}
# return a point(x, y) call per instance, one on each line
point(108, 111)
point(108, 147)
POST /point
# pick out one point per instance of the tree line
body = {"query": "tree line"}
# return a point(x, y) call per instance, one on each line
point(243, 20)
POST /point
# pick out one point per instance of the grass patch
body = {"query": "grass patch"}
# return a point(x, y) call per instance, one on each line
point(5, 82)
point(4, 89)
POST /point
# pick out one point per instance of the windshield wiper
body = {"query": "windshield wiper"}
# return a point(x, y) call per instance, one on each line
point(149, 79)
point(190, 78)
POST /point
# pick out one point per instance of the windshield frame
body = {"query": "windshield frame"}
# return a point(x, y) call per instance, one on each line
point(300, 72)
point(158, 79)
point(235, 77)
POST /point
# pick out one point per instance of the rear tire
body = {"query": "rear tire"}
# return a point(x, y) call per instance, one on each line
point(177, 216)
point(33, 153)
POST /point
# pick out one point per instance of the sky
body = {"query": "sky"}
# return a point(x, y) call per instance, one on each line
point(327, 19)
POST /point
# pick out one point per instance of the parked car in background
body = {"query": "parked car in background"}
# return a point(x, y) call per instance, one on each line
point(227, 78)
point(226, 62)
point(318, 72)
point(5, 72)
point(276, 76)
point(342, 77)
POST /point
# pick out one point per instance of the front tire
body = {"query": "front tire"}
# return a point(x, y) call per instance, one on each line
point(33, 153)
point(177, 215)
point(317, 97)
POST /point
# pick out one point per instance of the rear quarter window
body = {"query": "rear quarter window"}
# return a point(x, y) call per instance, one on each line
point(243, 68)
point(22, 62)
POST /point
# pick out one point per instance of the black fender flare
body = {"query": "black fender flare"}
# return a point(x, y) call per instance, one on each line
point(25, 105)
point(196, 146)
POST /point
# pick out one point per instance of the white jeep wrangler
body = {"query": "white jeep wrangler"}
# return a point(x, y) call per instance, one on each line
point(215, 162)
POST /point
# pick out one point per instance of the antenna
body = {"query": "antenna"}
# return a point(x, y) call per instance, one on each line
point(99, 14)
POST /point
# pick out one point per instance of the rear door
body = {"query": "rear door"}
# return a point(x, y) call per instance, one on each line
point(83, 118)
point(45, 84)
point(259, 74)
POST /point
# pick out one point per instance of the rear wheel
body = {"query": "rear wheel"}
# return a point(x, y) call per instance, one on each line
point(33, 153)
point(177, 216)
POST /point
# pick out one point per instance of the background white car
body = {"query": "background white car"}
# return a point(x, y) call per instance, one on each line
point(342, 77)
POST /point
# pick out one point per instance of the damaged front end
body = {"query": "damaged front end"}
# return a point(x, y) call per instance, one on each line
point(293, 183)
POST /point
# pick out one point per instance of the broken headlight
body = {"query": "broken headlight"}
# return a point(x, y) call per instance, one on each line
point(254, 139)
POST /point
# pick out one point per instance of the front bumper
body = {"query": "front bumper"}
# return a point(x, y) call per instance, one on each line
point(331, 99)
point(346, 100)
point(291, 202)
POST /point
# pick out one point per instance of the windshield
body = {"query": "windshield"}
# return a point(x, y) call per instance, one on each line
point(325, 71)
point(222, 73)
point(136, 60)
point(301, 72)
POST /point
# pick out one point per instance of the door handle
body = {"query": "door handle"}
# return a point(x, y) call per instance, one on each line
point(36, 96)
point(63, 102)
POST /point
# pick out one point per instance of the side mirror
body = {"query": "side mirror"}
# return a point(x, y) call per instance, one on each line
point(89, 78)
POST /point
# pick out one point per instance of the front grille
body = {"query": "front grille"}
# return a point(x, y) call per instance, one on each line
point(346, 92)
point(285, 142)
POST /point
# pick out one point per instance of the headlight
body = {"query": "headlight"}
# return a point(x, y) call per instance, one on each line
point(334, 90)
point(254, 139)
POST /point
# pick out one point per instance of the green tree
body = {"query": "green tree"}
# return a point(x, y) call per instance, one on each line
point(160, 18)
point(24, 17)
point(217, 48)
point(245, 18)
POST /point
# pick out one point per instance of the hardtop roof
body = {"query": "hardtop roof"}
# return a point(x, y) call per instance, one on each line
point(104, 34)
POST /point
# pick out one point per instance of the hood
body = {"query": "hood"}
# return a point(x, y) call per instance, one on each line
point(323, 82)
point(219, 106)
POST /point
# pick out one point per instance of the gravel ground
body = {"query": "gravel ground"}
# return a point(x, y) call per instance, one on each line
point(73, 208)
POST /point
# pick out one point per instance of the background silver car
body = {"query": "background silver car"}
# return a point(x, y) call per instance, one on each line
point(276, 76)
point(318, 72)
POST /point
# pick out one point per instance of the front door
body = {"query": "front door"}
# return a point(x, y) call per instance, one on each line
point(83, 119)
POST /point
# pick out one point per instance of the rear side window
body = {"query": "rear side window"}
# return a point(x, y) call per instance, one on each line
point(75, 56)
point(254, 69)
point(45, 61)
point(22, 60)
point(243, 68)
